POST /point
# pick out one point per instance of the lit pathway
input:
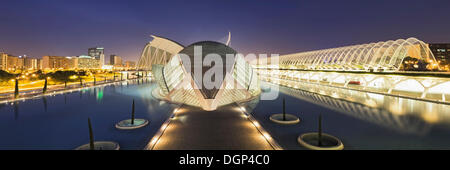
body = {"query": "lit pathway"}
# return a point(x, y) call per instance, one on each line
point(223, 129)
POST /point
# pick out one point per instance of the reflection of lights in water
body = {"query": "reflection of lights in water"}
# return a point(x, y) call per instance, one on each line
point(397, 108)
point(430, 114)
point(430, 117)
point(99, 94)
point(404, 115)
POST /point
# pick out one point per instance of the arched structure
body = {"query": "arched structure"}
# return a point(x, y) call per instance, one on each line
point(350, 67)
point(381, 56)
point(158, 51)
point(182, 79)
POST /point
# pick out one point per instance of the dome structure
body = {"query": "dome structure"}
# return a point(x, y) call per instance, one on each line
point(214, 49)
point(207, 74)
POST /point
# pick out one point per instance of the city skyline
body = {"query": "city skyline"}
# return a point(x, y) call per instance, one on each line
point(284, 28)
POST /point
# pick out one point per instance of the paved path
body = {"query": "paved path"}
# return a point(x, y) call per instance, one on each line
point(223, 129)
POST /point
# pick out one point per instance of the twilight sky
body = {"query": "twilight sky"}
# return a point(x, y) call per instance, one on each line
point(70, 27)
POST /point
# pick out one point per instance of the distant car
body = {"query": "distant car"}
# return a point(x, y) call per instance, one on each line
point(354, 82)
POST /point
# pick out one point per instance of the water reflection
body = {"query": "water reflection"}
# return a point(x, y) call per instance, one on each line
point(16, 110)
point(44, 101)
point(59, 116)
point(399, 114)
point(99, 94)
point(251, 105)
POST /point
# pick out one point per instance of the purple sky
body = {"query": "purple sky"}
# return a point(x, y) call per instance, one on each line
point(70, 27)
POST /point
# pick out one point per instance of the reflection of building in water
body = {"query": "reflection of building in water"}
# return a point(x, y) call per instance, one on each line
point(152, 104)
point(403, 115)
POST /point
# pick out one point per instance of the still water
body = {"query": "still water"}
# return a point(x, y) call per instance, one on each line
point(60, 121)
point(360, 120)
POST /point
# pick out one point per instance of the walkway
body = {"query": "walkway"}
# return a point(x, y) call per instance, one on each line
point(223, 129)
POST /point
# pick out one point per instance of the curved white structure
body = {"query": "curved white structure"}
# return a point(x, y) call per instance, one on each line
point(348, 67)
point(381, 56)
point(158, 51)
point(179, 82)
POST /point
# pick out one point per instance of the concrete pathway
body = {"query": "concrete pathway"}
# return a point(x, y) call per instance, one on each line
point(223, 129)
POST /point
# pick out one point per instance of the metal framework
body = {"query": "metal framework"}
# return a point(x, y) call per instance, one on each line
point(158, 51)
point(431, 88)
point(381, 56)
point(178, 85)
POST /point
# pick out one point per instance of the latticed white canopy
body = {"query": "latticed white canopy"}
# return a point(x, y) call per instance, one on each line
point(378, 56)
point(159, 51)
point(177, 81)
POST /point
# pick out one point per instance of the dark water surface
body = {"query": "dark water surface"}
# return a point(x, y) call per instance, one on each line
point(368, 122)
point(60, 121)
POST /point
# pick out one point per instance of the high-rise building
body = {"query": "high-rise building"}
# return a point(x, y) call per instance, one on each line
point(88, 62)
point(111, 59)
point(98, 53)
point(441, 52)
point(3, 61)
point(31, 63)
point(56, 62)
point(115, 60)
point(12, 63)
point(73, 62)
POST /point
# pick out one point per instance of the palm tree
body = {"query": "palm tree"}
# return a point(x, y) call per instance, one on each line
point(44, 90)
point(16, 88)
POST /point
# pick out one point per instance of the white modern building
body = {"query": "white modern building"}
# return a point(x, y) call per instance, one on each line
point(181, 79)
point(374, 67)
point(158, 51)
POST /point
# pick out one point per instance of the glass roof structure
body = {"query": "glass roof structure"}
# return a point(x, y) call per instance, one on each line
point(380, 56)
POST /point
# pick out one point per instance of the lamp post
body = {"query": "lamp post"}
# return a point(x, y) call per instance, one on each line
point(91, 136)
point(320, 131)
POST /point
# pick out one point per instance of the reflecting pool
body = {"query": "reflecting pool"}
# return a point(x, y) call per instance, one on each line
point(361, 120)
point(60, 121)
